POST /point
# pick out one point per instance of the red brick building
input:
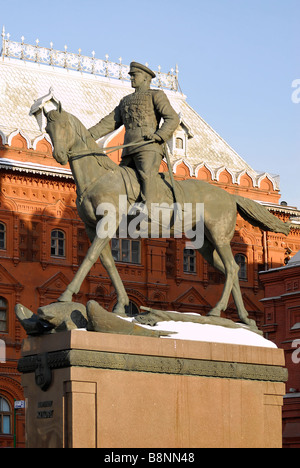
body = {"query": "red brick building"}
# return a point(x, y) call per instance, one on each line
point(42, 240)
point(282, 326)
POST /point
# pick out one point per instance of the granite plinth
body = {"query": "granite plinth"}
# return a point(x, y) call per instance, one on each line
point(86, 389)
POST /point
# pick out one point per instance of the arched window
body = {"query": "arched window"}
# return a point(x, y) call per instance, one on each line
point(5, 416)
point(179, 143)
point(58, 241)
point(241, 260)
point(131, 310)
point(2, 236)
point(3, 314)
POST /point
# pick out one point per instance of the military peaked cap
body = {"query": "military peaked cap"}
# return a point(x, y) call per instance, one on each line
point(139, 66)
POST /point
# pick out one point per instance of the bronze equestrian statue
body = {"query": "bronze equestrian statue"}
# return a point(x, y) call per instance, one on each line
point(99, 180)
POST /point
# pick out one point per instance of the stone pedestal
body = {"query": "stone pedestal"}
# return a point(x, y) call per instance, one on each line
point(117, 391)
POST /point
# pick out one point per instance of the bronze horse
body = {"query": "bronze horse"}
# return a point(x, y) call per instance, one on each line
point(99, 180)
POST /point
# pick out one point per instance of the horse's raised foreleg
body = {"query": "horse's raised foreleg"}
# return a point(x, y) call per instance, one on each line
point(90, 259)
point(108, 262)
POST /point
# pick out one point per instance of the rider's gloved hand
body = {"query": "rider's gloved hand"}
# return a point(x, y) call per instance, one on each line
point(153, 136)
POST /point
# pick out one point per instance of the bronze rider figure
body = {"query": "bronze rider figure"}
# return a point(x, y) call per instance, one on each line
point(141, 113)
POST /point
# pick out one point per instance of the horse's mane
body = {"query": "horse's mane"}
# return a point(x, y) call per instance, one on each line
point(52, 115)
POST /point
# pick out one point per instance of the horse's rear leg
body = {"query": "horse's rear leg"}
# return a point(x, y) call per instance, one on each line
point(212, 257)
point(230, 268)
point(227, 265)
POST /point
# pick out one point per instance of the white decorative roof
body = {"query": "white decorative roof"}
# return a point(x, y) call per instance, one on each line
point(25, 81)
point(295, 260)
point(33, 168)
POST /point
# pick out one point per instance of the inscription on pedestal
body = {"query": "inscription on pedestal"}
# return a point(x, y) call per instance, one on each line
point(45, 413)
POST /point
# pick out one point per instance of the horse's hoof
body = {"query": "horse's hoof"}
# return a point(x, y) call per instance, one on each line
point(65, 297)
point(214, 313)
point(250, 322)
point(119, 309)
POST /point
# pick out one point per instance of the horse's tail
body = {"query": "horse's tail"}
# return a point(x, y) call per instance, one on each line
point(258, 215)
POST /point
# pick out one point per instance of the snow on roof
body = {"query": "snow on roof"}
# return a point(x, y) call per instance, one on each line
point(29, 73)
point(295, 260)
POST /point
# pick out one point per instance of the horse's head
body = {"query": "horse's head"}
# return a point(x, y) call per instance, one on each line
point(61, 133)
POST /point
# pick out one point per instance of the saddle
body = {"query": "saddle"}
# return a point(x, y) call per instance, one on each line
point(163, 184)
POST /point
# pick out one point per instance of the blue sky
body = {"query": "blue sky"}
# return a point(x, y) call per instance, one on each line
point(237, 60)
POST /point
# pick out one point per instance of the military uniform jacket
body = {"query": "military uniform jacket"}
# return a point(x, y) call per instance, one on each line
point(141, 114)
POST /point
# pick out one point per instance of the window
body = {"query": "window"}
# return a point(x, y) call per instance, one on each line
point(241, 260)
point(3, 314)
point(5, 417)
point(189, 261)
point(2, 236)
point(58, 243)
point(126, 250)
point(179, 143)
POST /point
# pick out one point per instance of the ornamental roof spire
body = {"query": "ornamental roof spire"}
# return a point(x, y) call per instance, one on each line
point(79, 62)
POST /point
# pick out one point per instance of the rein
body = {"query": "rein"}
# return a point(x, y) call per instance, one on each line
point(108, 150)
